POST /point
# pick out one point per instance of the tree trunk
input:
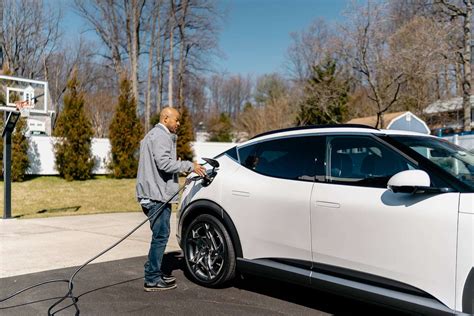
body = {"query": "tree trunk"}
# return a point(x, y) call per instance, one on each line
point(170, 72)
point(161, 58)
point(115, 42)
point(459, 76)
point(151, 51)
point(182, 25)
point(447, 86)
point(2, 42)
point(133, 16)
point(160, 72)
point(466, 96)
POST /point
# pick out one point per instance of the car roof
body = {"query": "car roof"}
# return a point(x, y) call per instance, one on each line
point(333, 129)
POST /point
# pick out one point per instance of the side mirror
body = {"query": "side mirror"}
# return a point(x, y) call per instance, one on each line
point(413, 181)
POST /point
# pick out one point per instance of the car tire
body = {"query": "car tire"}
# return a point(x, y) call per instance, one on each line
point(209, 252)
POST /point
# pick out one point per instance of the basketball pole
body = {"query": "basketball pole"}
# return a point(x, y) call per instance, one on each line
point(7, 171)
point(9, 122)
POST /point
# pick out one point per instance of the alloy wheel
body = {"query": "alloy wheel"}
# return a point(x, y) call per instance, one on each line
point(206, 251)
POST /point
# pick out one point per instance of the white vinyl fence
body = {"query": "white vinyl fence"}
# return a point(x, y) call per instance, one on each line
point(465, 141)
point(41, 154)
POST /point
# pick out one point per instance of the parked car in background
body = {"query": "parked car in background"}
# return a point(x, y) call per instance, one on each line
point(382, 215)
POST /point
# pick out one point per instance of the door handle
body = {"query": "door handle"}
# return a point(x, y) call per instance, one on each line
point(240, 193)
point(328, 204)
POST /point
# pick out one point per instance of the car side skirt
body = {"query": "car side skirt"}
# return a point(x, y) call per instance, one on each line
point(343, 286)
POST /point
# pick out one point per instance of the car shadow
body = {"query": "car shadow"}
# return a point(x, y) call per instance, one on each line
point(322, 301)
point(311, 298)
point(406, 199)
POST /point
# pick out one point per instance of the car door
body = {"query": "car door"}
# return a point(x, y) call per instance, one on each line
point(359, 227)
point(268, 197)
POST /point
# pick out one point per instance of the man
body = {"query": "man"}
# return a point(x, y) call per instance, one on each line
point(157, 181)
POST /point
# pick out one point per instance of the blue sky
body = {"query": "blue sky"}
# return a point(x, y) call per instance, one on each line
point(255, 35)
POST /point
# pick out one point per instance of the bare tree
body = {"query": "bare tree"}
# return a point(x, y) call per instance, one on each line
point(171, 47)
point(464, 12)
point(59, 66)
point(236, 91)
point(107, 19)
point(280, 113)
point(365, 46)
point(215, 86)
point(274, 109)
point(419, 49)
point(196, 95)
point(308, 48)
point(197, 23)
point(100, 107)
point(162, 38)
point(118, 25)
point(155, 40)
point(1, 35)
point(30, 34)
point(133, 11)
point(181, 23)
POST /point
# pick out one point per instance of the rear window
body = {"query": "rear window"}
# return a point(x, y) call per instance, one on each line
point(294, 158)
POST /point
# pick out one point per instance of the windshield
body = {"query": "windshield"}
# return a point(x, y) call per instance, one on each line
point(456, 160)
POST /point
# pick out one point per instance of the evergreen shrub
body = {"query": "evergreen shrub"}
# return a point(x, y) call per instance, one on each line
point(74, 133)
point(125, 133)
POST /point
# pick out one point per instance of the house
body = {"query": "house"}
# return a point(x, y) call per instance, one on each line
point(447, 114)
point(405, 121)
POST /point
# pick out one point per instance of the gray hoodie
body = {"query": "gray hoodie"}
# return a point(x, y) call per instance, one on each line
point(157, 177)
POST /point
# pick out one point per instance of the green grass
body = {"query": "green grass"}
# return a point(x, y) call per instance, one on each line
point(53, 196)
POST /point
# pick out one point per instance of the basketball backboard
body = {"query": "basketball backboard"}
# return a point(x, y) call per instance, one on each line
point(13, 89)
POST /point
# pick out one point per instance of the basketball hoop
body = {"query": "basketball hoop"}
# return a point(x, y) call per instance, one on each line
point(24, 107)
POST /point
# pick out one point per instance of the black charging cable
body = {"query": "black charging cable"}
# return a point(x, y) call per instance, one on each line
point(206, 180)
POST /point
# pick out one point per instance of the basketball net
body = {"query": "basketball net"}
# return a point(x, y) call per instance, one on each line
point(24, 107)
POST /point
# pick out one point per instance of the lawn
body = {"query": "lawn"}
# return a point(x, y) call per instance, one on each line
point(53, 196)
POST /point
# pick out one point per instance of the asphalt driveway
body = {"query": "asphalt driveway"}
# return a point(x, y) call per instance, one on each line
point(116, 288)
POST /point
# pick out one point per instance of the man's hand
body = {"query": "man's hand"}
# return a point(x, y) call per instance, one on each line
point(200, 170)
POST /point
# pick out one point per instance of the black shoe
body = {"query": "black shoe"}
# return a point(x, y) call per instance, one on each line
point(159, 285)
point(168, 279)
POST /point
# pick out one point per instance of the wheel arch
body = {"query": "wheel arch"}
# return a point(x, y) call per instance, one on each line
point(199, 207)
point(468, 298)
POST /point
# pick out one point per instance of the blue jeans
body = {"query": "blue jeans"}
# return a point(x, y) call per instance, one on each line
point(159, 239)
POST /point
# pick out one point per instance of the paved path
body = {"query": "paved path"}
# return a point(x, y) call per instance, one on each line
point(34, 245)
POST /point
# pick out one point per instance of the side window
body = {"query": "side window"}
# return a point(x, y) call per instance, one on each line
point(363, 161)
point(294, 158)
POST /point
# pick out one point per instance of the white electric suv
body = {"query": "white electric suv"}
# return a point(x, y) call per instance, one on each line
point(381, 215)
